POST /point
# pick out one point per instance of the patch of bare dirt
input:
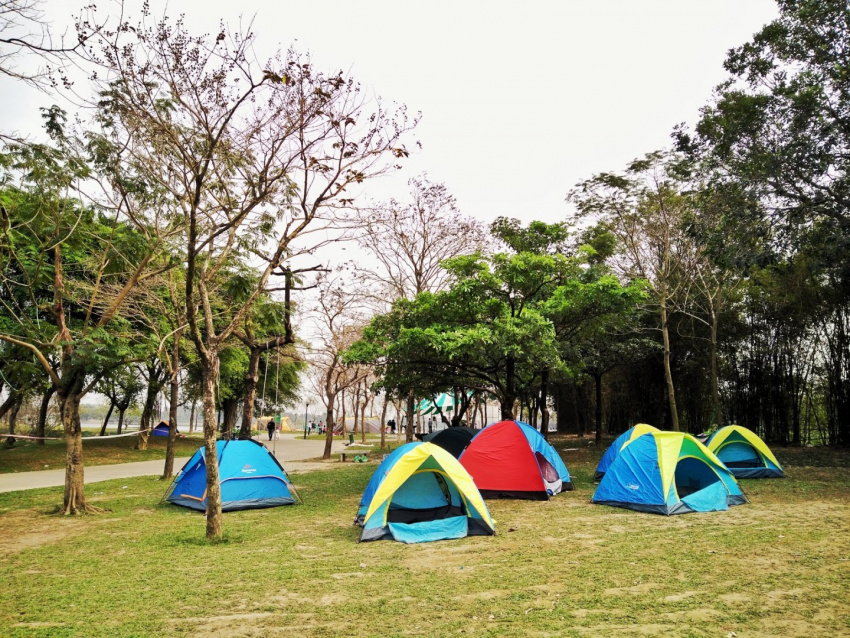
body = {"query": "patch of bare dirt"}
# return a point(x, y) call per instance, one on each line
point(640, 588)
point(27, 529)
point(674, 598)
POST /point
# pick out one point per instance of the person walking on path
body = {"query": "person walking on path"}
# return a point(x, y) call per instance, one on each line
point(271, 428)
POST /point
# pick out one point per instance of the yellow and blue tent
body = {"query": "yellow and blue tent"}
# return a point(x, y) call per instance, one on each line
point(744, 453)
point(614, 449)
point(668, 473)
point(421, 493)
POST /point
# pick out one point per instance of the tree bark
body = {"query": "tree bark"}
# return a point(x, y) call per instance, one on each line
point(154, 386)
point(717, 408)
point(411, 408)
point(74, 501)
point(342, 417)
point(251, 379)
point(384, 424)
point(229, 408)
point(355, 405)
point(106, 418)
point(544, 403)
point(41, 426)
point(508, 399)
point(121, 411)
point(668, 374)
point(214, 518)
point(192, 417)
point(329, 424)
point(597, 378)
point(13, 420)
point(168, 469)
point(363, 419)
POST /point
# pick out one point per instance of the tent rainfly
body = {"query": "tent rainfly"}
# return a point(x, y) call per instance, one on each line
point(668, 473)
point(744, 453)
point(421, 493)
point(614, 449)
point(511, 459)
point(251, 478)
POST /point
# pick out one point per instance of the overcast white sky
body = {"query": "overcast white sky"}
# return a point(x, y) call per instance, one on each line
point(520, 101)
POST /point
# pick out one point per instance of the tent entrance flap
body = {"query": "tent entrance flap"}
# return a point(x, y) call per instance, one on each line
point(693, 475)
point(443, 529)
point(415, 501)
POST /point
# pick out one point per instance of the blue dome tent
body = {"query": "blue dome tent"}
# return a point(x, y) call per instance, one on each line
point(668, 473)
point(421, 493)
point(251, 478)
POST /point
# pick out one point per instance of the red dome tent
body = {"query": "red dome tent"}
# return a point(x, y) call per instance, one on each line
point(511, 459)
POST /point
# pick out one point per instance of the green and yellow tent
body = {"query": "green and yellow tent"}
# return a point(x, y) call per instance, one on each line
point(744, 453)
point(421, 493)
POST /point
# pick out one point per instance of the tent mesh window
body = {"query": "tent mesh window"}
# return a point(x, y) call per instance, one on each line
point(693, 475)
point(401, 510)
point(550, 474)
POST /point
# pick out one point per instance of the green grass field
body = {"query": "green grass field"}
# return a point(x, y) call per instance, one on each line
point(775, 567)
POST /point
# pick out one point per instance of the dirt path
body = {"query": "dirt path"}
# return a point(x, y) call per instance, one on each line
point(288, 450)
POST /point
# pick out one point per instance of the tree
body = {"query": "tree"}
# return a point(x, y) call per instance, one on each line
point(644, 209)
point(67, 270)
point(247, 156)
point(122, 387)
point(494, 329)
point(778, 131)
point(340, 317)
point(410, 240)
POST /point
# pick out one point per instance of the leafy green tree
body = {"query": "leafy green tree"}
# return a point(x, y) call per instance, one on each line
point(644, 208)
point(66, 272)
point(777, 134)
point(780, 126)
point(496, 328)
point(122, 386)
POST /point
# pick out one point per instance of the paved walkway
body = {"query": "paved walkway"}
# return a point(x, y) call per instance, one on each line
point(285, 449)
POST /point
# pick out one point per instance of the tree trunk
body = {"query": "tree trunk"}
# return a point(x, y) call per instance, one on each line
point(544, 403)
point(384, 425)
point(41, 426)
point(597, 378)
point(411, 408)
point(192, 417)
point(329, 424)
point(106, 418)
point(355, 408)
point(229, 408)
point(344, 431)
point(168, 470)
point(508, 399)
point(74, 501)
point(214, 519)
point(13, 420)
point(121, 411)
point(716, 407)
point(668, 374)
point(147, 409)
point(251, 378)
point(363, 419)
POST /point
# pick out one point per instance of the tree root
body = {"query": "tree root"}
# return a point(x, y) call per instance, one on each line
point(85, 509)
